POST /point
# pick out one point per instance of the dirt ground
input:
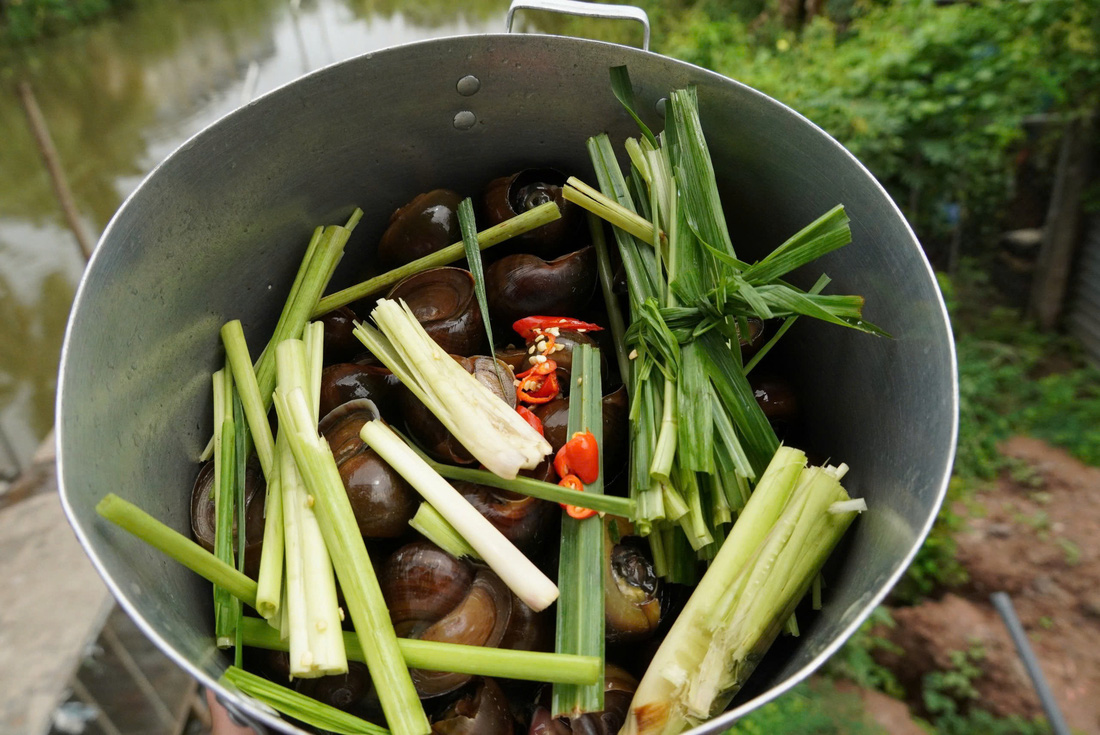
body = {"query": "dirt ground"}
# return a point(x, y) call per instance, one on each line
point(1035, 534)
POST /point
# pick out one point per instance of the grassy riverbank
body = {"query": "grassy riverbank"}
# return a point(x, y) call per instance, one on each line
point(23, 21)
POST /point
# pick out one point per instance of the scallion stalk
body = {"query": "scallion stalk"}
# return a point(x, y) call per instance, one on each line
point(514, 569)
point(521, 223)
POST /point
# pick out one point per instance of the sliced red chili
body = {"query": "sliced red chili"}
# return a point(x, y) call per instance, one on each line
point(539, 384)
point(583, 456)
point(561, 463)
point(575, 511)
point(529, 326)
point(529, 416)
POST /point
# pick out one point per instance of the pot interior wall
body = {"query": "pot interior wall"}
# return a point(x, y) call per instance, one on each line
point(216, 232)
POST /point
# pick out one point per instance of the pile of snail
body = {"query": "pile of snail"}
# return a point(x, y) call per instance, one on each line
point(430, 594)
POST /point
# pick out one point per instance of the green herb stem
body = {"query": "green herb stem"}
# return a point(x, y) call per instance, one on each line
point(525, 222)
point(133, 519)
point(611, 300)
point(457, 658)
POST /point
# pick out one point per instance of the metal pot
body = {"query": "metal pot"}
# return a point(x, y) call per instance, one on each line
point(216, 231)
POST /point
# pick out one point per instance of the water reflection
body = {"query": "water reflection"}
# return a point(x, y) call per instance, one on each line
point(120, 96)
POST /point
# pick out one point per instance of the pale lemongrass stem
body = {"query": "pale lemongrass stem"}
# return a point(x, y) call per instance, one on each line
point(314, 338)
point(515, 570)
point(594, 201)
point(269, 597)
point(236, 350)
point(430, 524)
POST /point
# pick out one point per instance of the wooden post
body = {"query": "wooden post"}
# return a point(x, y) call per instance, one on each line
point(53, 166)
point(1060, 232)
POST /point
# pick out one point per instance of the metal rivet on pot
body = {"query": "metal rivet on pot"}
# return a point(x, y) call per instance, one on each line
point(465, 120)
point(661, 106)
point(468, 85)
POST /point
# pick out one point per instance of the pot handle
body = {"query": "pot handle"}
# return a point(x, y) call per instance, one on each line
point(584, 9)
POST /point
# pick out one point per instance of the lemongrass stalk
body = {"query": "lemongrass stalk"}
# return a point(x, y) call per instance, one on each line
point(271, 558)
point(679, 656)
point(609, 504)
point(514, 569)
point(224, 504)
point(605, 208)
point(299, 706)
point(433, 526)
point(521, 223)
point(242, 445)
point(580, 611)
point(489, 429)
point(313, 338)
point(362, 593)
point(133, 519)
point(502, 663)
point(316, 648)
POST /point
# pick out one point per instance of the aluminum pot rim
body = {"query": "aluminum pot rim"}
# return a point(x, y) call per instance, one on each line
point(252, 710)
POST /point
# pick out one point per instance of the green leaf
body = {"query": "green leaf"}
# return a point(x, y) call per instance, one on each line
point(468, 228)
point(624, 92)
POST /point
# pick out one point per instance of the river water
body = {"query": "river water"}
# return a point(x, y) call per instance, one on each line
point(120, 95)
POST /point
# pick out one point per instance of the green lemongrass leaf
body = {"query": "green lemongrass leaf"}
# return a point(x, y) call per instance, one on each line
point(825, 234)
point(580, 609)
point(299, 706)
point(468, 227)
point(521, 223)
point(693, 391)
point(819, 286)
point(699, 185)
point(170, 542)
point(845, 311)
point(624, 92)
point(610, 298)
point(457, 658)
point(732, 387)
point(730, 445)
point(638, 161)
point(638, 259)
point(664, 452)
point(431, 524)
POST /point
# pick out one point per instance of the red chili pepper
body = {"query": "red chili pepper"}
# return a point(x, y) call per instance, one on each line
point(529, 416)
point(575, 511)
point(539, 384)
point(529, 326)
point(579, 456)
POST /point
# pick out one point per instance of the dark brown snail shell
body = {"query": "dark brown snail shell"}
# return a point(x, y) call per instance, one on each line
point(508, 196)
point(430, 433)
point(444, 302)
point(350, 692)
point(431, 595)
point(340, 340)
point(426, 224)
point(619, 688)
point(775, 396)
point(349, 381)
point(526, 522)
point(484, 711)
point(632, 602)
point(524, 285)
point(381, 499)
point(203, 517)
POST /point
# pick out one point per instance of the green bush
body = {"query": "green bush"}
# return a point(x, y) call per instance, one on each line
point(930, 98)
point(27, 20)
